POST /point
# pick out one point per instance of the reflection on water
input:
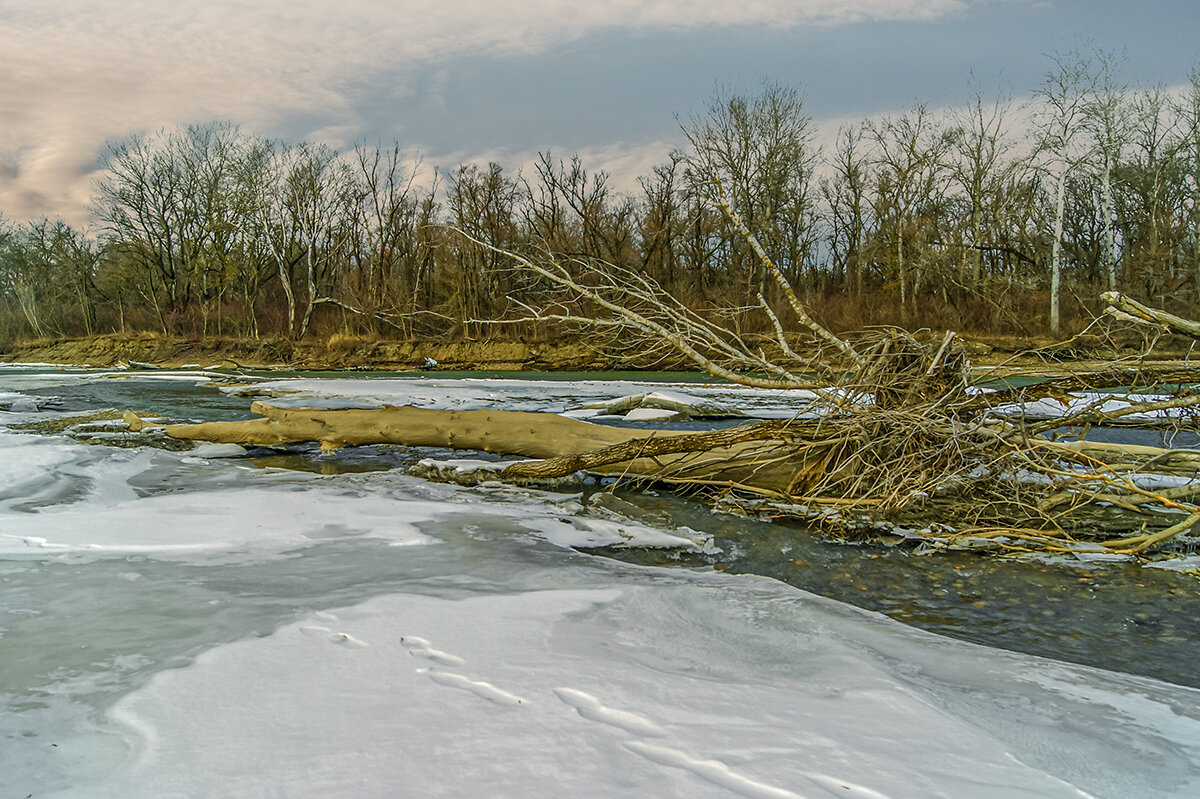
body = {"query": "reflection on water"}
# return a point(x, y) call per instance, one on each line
point(348, 460)
point(157, 397)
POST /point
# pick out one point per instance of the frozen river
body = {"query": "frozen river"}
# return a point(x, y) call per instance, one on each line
point(178, 624)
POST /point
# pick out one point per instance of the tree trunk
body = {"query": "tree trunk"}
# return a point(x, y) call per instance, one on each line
point(1110, 238)
point(1122, 307)
point(1056, 251)
point(286, 282)
point(754, 456)
point(312, 294)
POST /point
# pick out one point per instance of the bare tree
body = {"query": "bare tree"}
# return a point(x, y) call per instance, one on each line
point(845, 193)
point(178, 203)
point(136, 200)
point(911, 176)
point(66, 259)
point(482, 202)
point(982, 168)
point(661, 222)
point(1107, 118)
point(382, 274)
point(575, 211)
point(759, 150)
point(1151, 194)
point(319, 195)
point(1060, 120)
point(1187, 110)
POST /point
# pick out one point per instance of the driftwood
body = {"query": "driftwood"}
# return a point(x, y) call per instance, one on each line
point(919, 444)
point(746, 456)
point(490, 431)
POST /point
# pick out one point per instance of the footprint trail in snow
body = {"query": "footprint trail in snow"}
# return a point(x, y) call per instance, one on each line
point(419, 647)
point(713, 771)
point(343, 639)
point(484, 690)
point(422, 648)
point(589, 707)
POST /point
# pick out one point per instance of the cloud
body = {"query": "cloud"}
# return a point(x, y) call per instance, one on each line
point(80, 72)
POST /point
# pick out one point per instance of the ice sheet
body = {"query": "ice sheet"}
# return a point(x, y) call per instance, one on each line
point(172, 626)
point(554, 396)
point(672, 688)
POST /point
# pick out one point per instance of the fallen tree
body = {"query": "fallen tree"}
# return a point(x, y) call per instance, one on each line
point(991, 478)
point(888, 427)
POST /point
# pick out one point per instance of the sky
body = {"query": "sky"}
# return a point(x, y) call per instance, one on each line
point(476, 80)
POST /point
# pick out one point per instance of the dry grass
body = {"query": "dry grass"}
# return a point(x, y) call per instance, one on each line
point(343, 342)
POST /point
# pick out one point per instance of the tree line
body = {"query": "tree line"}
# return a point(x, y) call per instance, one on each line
point(990, 217)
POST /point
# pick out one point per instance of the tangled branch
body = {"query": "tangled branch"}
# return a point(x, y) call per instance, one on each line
point(898, 429)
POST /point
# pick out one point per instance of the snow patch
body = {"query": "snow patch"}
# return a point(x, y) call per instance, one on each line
point(550, 396)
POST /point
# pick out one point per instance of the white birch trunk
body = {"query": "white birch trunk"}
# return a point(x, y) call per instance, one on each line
point(1056, 250)
point(1110, 238)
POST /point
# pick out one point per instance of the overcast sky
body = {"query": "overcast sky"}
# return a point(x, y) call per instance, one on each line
point(464, 80)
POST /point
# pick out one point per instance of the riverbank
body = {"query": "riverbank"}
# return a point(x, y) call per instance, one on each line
point(337, 352)
point(1009, 354)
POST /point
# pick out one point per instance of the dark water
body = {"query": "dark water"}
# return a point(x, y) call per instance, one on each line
point(1115, 616)
point(183, 400)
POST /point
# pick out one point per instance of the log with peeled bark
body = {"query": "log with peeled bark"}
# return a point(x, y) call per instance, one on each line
point(785, 458)
point(761, 457)
point(504, 432)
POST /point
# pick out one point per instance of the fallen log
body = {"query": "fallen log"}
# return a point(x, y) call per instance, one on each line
point(897, 429)
point(504, 432)
point(749, 456)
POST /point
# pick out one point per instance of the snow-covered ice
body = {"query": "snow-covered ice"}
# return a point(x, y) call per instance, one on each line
point(1101, 402)
point(555, 396)
point(174, 626)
